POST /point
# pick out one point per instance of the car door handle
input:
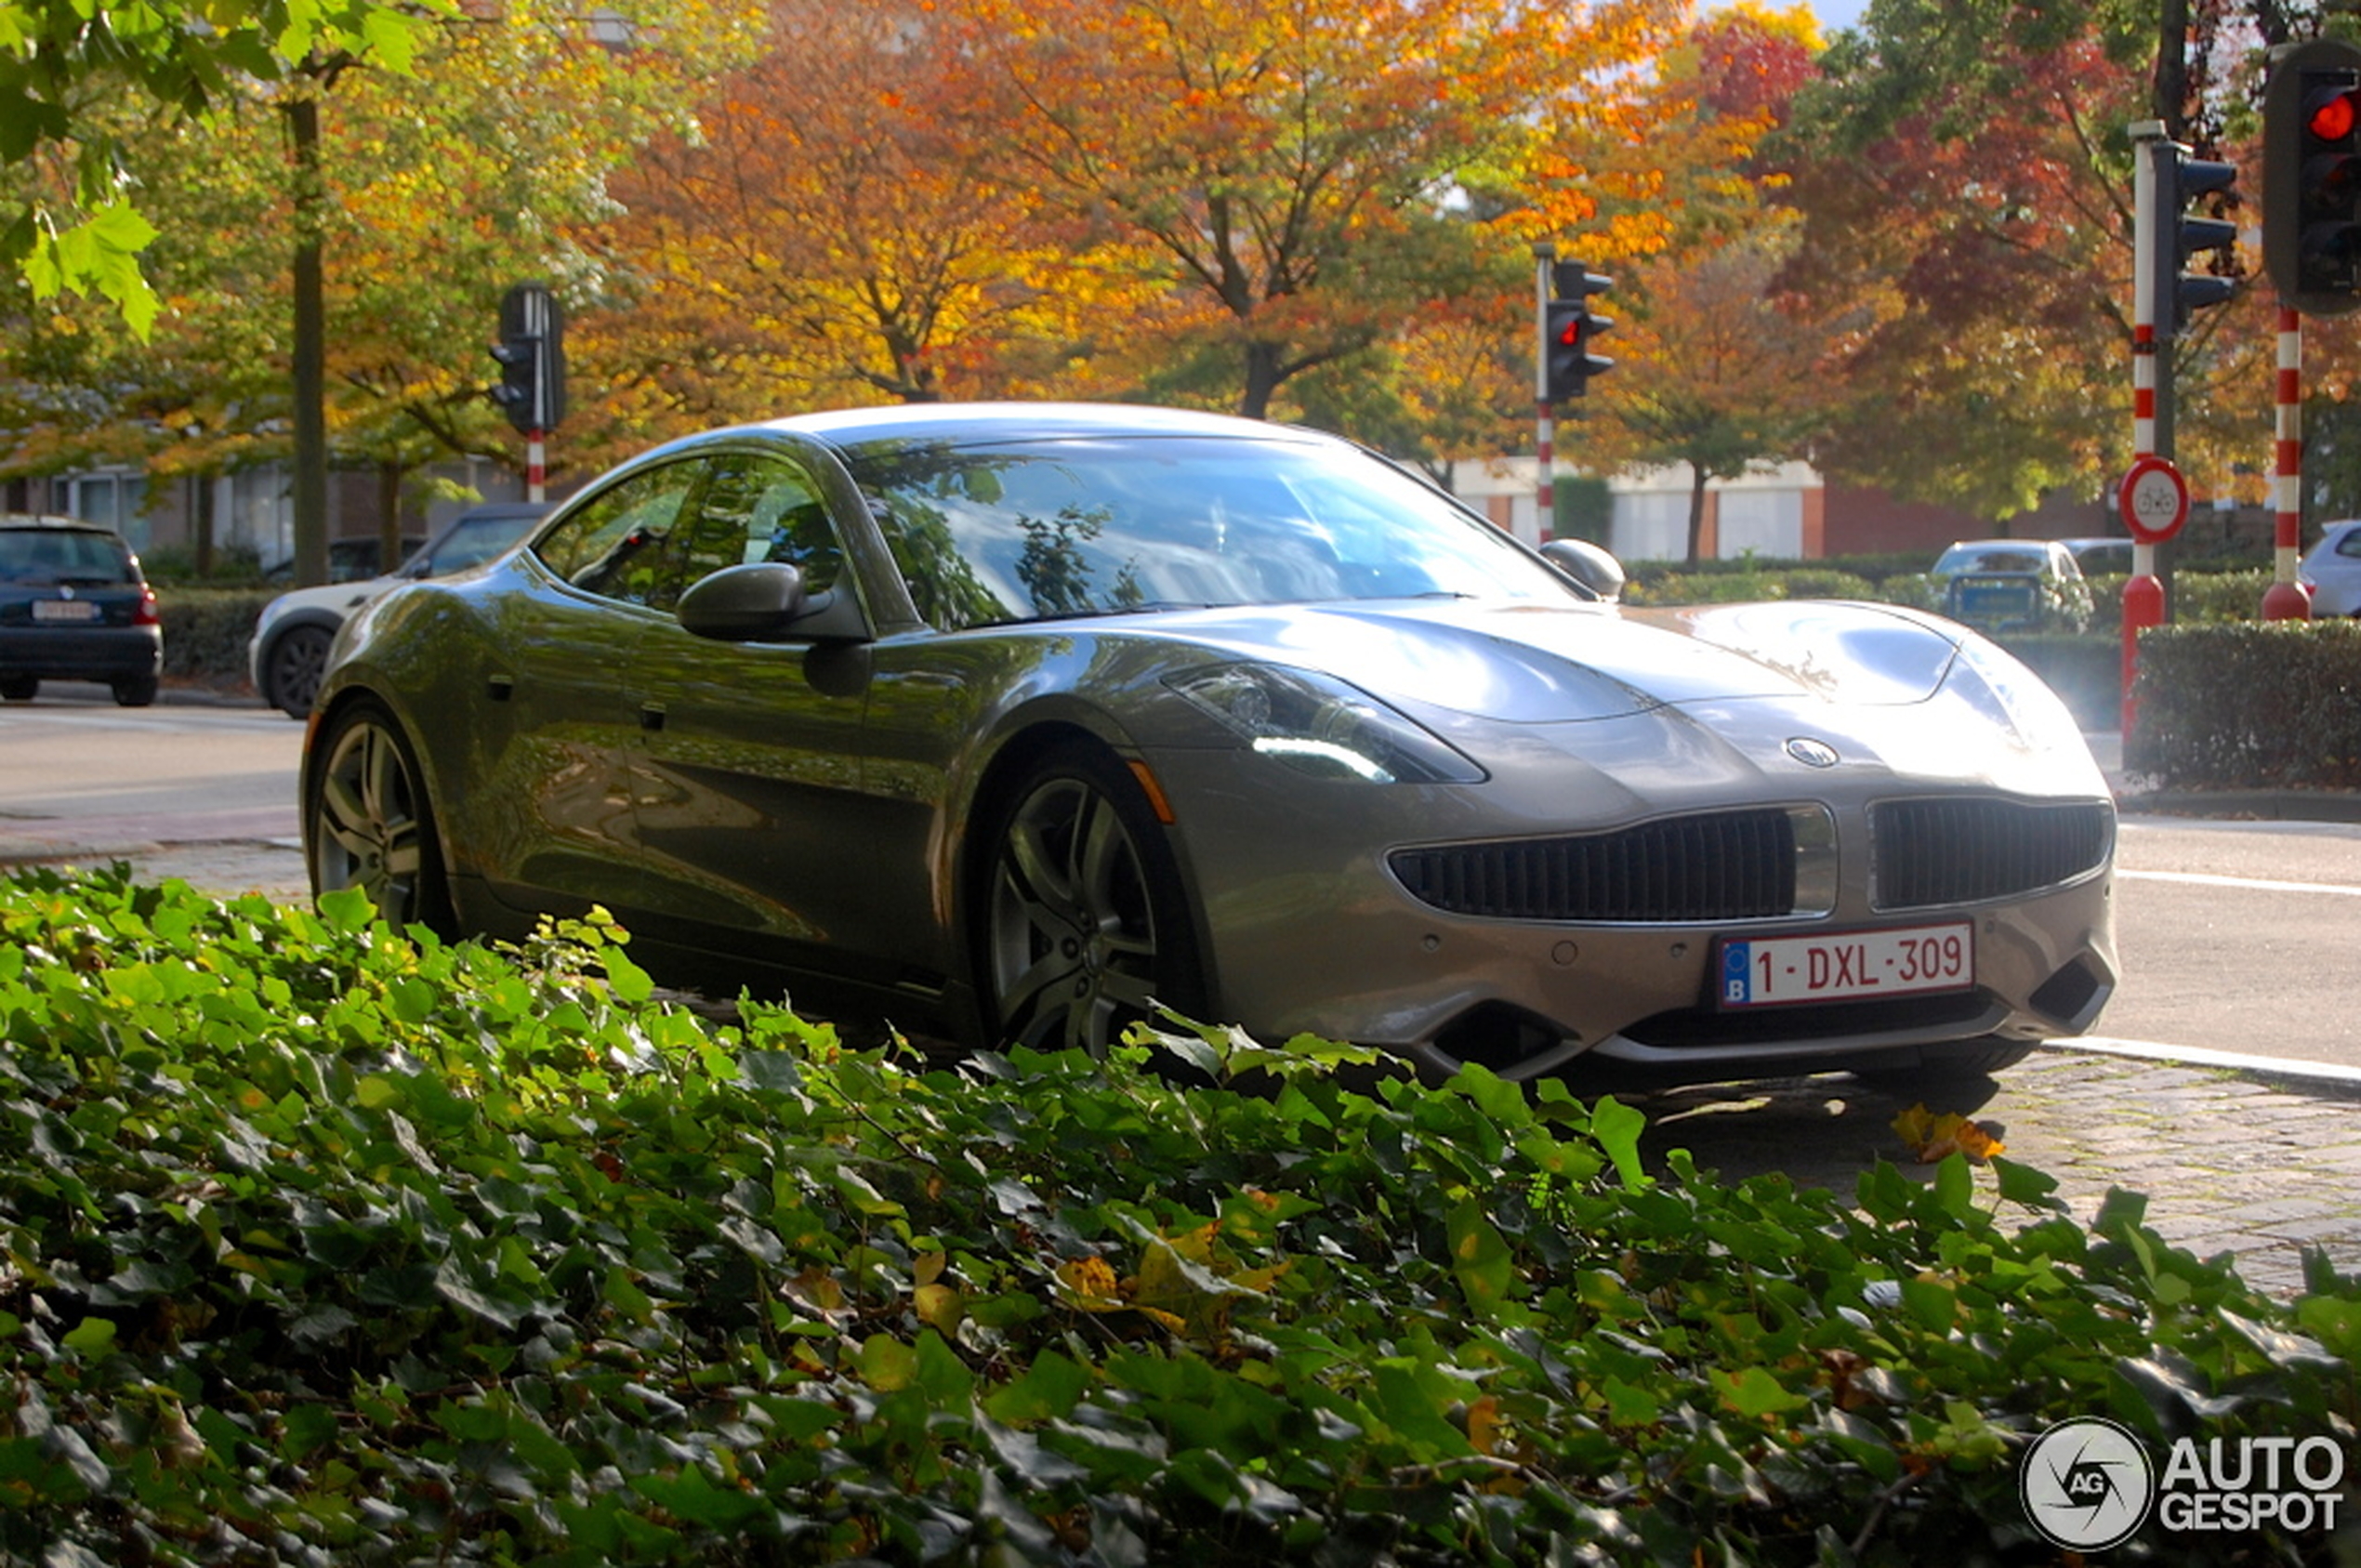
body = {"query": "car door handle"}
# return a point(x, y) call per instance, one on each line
point(651, 716)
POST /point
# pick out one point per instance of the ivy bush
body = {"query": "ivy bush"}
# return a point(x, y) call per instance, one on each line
point(2260, 705)
point(330, 1244)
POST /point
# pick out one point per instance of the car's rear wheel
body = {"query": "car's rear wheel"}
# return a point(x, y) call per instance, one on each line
point(1083, 926)
point(370, 824)
point(135, 691)
point(291, 671)
point(20, 688)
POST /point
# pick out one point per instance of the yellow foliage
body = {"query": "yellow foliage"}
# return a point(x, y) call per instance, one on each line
point(1933, 1138)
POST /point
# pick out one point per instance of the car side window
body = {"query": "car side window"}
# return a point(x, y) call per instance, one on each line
point(613, 545)
point(760, 507)
point(2350, 543)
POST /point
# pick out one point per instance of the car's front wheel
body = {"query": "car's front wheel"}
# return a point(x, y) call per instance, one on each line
point(135, 691)
point(292, 669)
point(370, 826)
point(1083, 926)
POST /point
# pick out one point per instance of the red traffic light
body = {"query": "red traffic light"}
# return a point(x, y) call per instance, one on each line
point(2332, 117)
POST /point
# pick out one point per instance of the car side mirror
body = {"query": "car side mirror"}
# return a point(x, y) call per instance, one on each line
point(751, 603)
point(1587, 564)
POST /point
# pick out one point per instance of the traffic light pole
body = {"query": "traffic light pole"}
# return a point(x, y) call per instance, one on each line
point(1545, 256)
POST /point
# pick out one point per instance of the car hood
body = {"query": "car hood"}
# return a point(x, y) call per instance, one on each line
point(1518, 663)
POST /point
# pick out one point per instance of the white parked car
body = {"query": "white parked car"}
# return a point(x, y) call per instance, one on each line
point(2331, 573)
point(290, 645)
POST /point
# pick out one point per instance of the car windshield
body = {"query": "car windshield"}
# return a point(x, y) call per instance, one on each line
point(63, 555)
point(1094, 527)
point(1957, 560)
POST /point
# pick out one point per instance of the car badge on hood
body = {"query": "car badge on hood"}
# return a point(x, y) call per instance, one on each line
point(1811, 753)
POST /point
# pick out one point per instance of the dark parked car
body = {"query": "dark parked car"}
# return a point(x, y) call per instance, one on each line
point(74, 606)
point(2013, 584)
point(1017, 720)
point(291, 637)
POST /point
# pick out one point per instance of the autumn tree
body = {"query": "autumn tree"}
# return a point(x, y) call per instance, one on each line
point(1972, 160)
point(1307, 176)
point(67, 68)
point(438, 190)
point(829, 234)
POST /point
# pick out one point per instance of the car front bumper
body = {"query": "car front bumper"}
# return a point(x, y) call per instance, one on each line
point(1310, 926)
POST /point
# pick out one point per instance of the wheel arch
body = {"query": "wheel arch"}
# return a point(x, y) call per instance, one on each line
point(441, 912)
point(992, 794)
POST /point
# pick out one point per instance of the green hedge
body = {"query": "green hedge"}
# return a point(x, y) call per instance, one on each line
point(2261, 705)
point(322, 1247)
point(206, 630)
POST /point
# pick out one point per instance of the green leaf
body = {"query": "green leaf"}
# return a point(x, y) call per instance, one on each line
point(1618, 1128)
point(1481, 1259)
point(1046, 1390)
point(1755, 1392)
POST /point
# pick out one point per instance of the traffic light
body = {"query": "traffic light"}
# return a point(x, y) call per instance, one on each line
point(2311, 178)
point(1568, 327)
point(531, 356)
point(2179, 179)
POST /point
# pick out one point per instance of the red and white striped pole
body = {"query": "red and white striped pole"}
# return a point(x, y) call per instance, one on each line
point(2285, 598)
point(2143, 594)
point(537, 466)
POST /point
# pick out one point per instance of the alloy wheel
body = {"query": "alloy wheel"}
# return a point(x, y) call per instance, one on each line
point(1072, 953)
point(369, 828)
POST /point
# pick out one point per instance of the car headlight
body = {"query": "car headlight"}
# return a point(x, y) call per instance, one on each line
point(2012, 697)
point(1321, 726)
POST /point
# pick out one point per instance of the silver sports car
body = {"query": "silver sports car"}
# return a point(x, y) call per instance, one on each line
point(1015, 722)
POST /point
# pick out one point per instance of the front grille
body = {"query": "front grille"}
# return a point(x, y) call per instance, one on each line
point(1734, 865)
point(1943, 851)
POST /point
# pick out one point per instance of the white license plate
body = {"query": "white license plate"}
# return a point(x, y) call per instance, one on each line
point(1846, 965)
point(64, 610)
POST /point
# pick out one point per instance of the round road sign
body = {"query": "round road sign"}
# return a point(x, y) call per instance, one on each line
point(2155, 500)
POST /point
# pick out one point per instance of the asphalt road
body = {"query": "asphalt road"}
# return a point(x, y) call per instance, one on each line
point(2235, 936)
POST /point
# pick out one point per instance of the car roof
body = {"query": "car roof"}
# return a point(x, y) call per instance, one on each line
point(965, 424)
point(36, 520)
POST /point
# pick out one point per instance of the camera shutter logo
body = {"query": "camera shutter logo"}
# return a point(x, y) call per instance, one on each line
point(2087, 1484)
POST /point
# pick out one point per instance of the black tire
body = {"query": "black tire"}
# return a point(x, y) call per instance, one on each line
point(1082, 926)
point(369, 824)
point(292, 668)
point(20, 688)
point(1957, 1062)
point(135, 691)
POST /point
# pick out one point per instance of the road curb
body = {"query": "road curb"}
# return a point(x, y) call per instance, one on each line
point(2325, 1078)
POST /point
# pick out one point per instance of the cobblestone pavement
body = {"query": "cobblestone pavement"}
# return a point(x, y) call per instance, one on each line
point(2230, 1160)
point(2258, 1164)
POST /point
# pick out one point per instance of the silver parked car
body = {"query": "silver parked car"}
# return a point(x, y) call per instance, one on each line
point(1015, 722)
point(289, 647)
point(2331, 569)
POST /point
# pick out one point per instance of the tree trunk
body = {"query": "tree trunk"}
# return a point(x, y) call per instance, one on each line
point(1697, 512)
point(389, 472)
point(1263, 379)
point(311, 350)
